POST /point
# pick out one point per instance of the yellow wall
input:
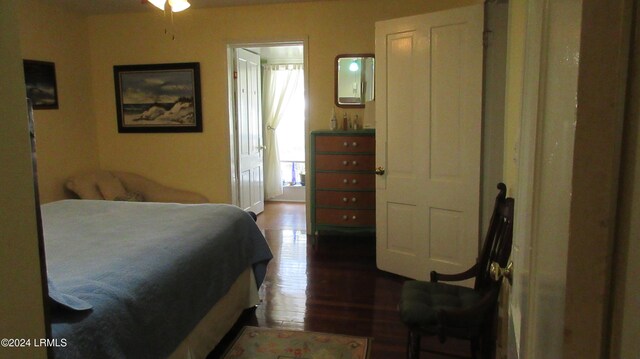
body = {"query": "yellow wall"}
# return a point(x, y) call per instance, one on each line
point(200, 161)
point(66, 137)
point(21, 313)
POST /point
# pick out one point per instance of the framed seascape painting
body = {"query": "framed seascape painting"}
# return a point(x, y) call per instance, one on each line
point(40, 80)
point(158, 98)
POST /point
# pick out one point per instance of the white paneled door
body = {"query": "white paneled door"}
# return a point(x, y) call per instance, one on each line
point(250, 144)
point(428, 135)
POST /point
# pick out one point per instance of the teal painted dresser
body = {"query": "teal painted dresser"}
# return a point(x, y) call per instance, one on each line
point(343, 194)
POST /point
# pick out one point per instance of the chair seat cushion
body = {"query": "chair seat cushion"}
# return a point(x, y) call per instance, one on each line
point(420, 302)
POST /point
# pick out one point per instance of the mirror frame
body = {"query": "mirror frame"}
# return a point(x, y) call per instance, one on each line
point(335, 94)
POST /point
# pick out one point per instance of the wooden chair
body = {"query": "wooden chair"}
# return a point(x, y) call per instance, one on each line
point(447, 310)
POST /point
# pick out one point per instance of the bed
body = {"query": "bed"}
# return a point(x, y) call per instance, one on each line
point(148, 280)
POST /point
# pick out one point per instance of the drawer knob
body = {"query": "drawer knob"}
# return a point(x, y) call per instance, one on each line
point(354, 144)
point(355, 163)
point(354, 218)
point(345, 163)
point(354, 200)
point(354, 181)
point(345, 181)
point(345, 144)
point(344, 199)
point(345, 217)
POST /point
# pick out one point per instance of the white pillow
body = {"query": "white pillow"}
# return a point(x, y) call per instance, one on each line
point(85, 186)
point(110, 186)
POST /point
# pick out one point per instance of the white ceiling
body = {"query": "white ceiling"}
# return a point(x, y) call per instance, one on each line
point(97, 7)
point(280, 54)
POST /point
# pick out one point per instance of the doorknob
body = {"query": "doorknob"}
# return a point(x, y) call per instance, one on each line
point(380, 171)
point(498, 273)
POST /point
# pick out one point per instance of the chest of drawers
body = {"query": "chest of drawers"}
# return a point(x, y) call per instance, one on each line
point(343, 197)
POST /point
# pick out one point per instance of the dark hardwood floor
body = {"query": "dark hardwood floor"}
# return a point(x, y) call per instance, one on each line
point(334, 288)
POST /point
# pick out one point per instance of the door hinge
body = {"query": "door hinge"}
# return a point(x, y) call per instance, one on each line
point(485, 38)
point(235, 75)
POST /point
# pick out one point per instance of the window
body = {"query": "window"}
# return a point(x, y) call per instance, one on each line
point(290, 134)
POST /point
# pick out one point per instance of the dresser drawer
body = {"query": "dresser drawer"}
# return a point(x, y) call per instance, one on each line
point(345, 162)
point(346, 199)
point(346, 217)
point(352, 144)
point(345, 180)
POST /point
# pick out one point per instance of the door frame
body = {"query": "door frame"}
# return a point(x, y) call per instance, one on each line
point(234, 174)
point(603, 37)
point(602, 104)
point(542, 181)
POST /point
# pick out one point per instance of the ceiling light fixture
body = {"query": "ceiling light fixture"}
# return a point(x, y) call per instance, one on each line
point(179, 5)
point(174, 5)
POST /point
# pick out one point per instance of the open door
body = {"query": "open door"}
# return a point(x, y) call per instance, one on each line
point(428, 136)
point(249, 131)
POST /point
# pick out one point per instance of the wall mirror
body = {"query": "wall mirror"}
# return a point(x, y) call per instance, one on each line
point(354, 79)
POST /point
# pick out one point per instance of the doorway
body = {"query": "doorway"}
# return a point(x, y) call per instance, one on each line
point(283, 124)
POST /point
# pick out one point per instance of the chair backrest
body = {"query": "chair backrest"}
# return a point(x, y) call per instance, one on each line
point(497, 243)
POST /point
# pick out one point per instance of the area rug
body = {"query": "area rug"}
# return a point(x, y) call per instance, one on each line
point(267, 343)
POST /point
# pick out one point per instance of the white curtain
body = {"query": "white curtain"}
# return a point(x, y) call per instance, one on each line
point(279, 85)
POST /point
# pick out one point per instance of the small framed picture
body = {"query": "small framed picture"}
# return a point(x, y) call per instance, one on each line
point(158, 98)
point(40, 80)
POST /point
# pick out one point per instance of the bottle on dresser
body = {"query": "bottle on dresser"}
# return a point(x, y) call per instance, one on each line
point(334, 122)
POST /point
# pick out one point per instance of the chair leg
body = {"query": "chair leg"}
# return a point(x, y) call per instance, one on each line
point(413, 345)
point(487, 346)
point(474, 348)
point(489, 336)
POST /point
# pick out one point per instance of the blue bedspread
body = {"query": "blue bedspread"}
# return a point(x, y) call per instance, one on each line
point(150, 271)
